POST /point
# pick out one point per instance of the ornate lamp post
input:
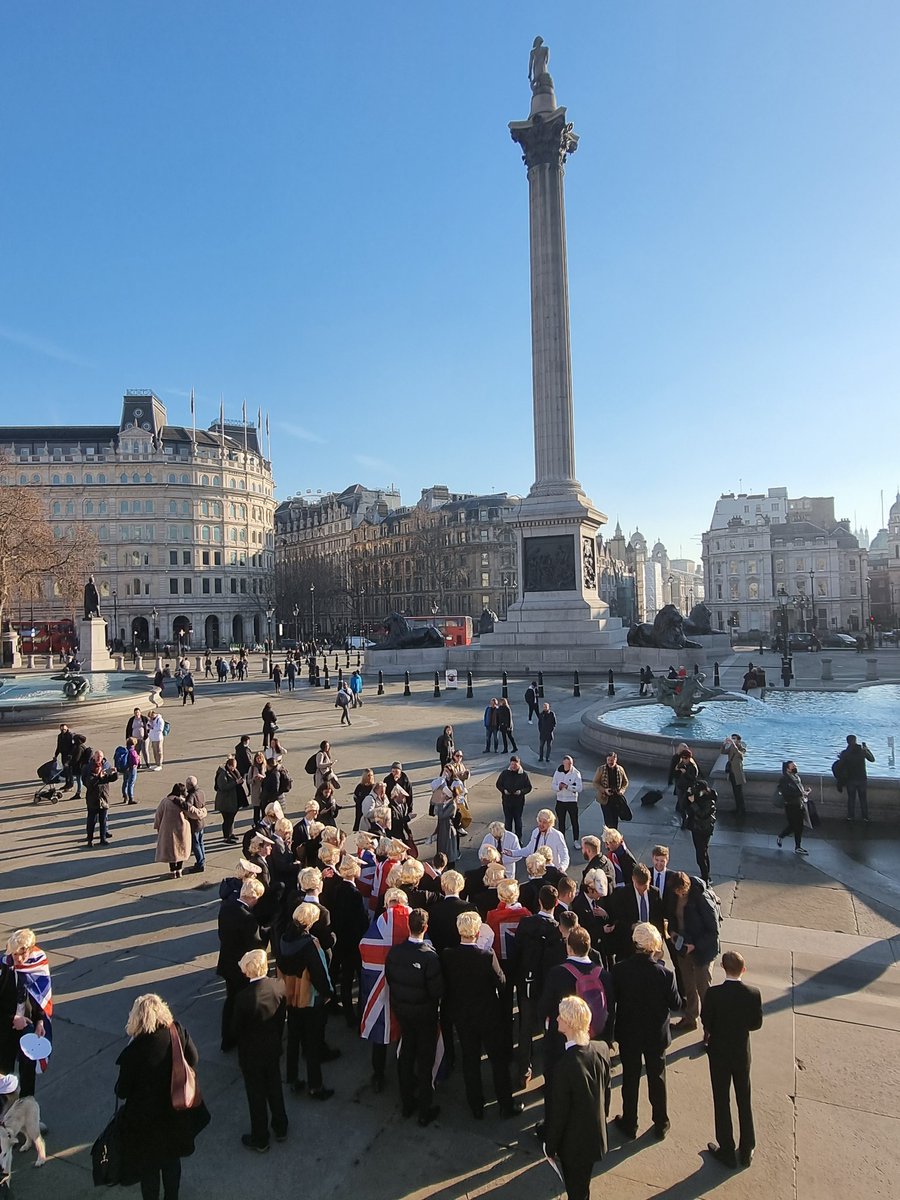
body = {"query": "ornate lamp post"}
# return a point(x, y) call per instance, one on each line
point(312, 612)
point(154, 617)
point(115, 600)
point(296, 612)
point(270, 613)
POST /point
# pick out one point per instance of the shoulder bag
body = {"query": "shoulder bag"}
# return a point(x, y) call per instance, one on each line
point(106, 1153)
point(184, 1090)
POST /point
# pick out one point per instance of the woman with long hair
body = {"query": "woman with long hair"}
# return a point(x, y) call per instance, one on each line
point(155, 1136)
point(793, 795)
point(362, 789)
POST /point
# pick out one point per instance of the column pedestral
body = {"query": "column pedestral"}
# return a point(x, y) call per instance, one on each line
point(93, 653)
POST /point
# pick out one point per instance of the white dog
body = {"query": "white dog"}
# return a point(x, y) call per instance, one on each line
point(20, 1116)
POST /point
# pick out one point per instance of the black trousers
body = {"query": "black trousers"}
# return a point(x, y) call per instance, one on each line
point(701, 852)
point(577, 1178)
point(306, 1033)
point(513, 808)
point(529, 1026)
point(227, 823)
point(262, 1080)
point(415, 1063)
point(509, 742)
point(10, 1055)
point(232, 987)
point(610, 815)
point(170, 1172)
point(632, 1055)
point(472, 1040)
point(544, 752)
point(567, 809)
point(737, 790)
point(724, 1075)
point(794, 817)
point(533, 711)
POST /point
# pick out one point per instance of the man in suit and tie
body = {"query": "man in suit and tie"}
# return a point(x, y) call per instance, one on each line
point(413, 973)
point(472, 1002)
point(257, 1023)
point(575, 1132)
point(730, 1012)
point(646, 994)
point(595, 859)
point(442, 927)
point(537, 946)
point(630, 905)
point(474, 889)
point(238, 933)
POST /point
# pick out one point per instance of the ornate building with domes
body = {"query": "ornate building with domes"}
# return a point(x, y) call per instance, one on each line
point(884, 572)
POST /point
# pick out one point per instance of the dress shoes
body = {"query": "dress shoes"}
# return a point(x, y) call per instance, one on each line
point(249, 1141)
point(329, 1054)
point(684, 1026)
point(660, 1131)
point(297, 1086)
point(377, 1083)
point(427, 1117)
point(745, 1158)
point(724, 1157)
point(513, 1109)
point(322, 1093)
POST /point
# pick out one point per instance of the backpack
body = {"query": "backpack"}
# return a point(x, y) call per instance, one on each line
point(839, 772)
point(712, 900)
point(285, 783)
point(310, 767)
point(120, 758)
point(590, 989)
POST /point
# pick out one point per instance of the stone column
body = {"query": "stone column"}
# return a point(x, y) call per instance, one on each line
point(547, 140)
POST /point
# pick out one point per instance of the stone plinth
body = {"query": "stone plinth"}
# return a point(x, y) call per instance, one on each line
point(93, 653)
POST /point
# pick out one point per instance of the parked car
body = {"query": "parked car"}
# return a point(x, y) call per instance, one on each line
point(800, 641)
point(838, 641)
point(357, 643)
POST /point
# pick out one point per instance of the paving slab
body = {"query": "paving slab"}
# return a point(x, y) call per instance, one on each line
point(855, 990)
point(837, 1145)
point(865, 1073)
point(819, 907)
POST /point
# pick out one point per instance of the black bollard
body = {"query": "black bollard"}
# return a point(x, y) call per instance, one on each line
point(469, 692)
point(696, 668)
point(347, 663)
point(611, 686)
point(406, 691)
point(437, 685)
point(358, 659)
point(340, 681)
point(716, 682)
point(576, 691)
point(318, 676)
point(380, 691)
point(505, 686)
point(327, 683)
point(540, 685)
point(335, 662)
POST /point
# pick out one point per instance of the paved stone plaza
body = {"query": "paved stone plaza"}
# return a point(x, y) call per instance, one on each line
point(821, 937)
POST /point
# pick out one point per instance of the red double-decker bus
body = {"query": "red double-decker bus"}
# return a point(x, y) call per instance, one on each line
point(457, 631)
point(45, 637)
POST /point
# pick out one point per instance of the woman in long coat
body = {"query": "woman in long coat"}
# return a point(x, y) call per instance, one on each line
point(443, 802)
point(173, 830)
point(229, 794)
point(155, 1137)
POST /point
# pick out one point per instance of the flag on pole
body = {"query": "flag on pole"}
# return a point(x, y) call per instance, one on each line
point(244, 412)
point(193, 415)
point(259, 418)
point(222, 424)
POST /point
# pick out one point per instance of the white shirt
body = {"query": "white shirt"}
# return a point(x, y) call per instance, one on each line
point(509, 841)
point(156, 728)
point(573, 785)
point(659, 880)
point(552, 838)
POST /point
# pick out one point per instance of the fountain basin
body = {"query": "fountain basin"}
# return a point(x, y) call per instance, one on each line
point(38, 698)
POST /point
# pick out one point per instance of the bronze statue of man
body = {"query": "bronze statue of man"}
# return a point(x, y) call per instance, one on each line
point(538, 75)
point(91, 600)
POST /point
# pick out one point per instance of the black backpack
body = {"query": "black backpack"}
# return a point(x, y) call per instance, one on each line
point(310, 767)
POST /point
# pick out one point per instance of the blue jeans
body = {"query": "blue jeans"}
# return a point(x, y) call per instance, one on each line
point(129, 775)
point(197, 848)
point(92, 822)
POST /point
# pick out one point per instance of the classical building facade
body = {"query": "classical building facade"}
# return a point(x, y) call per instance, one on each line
point(884, 572)
point(182, 519)
point(766, 552)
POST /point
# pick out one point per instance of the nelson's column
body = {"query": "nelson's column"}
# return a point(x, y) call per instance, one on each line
point(560, 617)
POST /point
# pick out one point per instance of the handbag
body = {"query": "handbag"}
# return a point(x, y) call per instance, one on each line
point(183, 1090)
point(813, 811)
point(106, 1154)
point(167, 729)
point(465, 817)
point(623, 808)
point(241, 793)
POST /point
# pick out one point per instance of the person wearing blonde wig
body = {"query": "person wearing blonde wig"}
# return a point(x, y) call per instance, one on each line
point(646, 994)
point(575, 1134)
point(144, 1083)
point(26, 1004)
point(544, 834)
point(257, 1023)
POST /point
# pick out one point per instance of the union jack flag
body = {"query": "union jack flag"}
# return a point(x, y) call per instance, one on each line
point(504, 921)
point(367, 879)
point(34, 975)
point(378, 1023)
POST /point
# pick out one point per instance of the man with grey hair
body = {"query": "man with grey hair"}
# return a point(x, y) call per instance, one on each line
point(256, 1027)
point(197, 801)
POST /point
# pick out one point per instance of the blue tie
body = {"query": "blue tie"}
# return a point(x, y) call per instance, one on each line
point(643, 908)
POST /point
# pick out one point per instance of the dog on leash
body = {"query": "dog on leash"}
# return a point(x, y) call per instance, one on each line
point(20, 1117)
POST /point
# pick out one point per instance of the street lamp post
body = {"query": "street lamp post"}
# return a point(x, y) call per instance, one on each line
point(154, 617)
point(296, 612)
point(813, 620)
point(786, 663)
point(270, 613)
point(115, 600)
point(312, 613)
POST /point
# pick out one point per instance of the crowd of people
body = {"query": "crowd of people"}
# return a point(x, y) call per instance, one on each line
point(591, 954)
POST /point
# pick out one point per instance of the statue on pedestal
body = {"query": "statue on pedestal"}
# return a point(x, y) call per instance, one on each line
point(538, 75)
point(683, 693)
point(91, 599)
point(666, 632)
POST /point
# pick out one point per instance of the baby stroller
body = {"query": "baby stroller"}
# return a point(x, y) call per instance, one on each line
point(50, 775)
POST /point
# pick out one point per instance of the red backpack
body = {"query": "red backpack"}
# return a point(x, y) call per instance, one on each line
point(589, 988)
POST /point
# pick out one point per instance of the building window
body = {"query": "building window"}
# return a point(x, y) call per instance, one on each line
point(779, 566)
point(753, 590)
point(148, 506)
point(234, 587)
point(186, 558)
point(217, 586)
point(204, 587)
point(135, 506)
point(732, 568)
point(821, 587)
point(851, 565)
point(217, 558)
point(800, 564)
point(734, 589)
point(55, 481)
point(187, 586)
point(205, 558)
point(173, 587)
point(123, 506)
point(173, 558)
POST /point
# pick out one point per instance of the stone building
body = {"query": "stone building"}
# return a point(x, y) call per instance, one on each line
point(884, 572)
point(763, 552)
point(182, 519)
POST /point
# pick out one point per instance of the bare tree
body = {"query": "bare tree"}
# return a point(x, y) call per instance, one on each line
point(32, 551)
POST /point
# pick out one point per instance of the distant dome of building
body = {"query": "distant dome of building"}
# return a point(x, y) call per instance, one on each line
point(659, 548)
point(894, 514)
point(878, 547)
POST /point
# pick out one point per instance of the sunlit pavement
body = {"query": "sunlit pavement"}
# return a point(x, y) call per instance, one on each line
point(821, 937)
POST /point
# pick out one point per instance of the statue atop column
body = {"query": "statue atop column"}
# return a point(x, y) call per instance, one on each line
point(538, 75)
point(91, 599)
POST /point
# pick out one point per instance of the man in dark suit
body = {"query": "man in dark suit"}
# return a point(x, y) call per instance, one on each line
point(630, 905)
point(472, 1003)
point(645, 995)
point(730, 1012)
point(537, 946)
point(238, 933)
point(575, 1131)
point(474, 890)
point(442, 928)
point(413, 973)
point(662, 878)
point(257, 1023)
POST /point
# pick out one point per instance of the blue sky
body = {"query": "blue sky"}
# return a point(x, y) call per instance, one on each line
point(318, 208)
